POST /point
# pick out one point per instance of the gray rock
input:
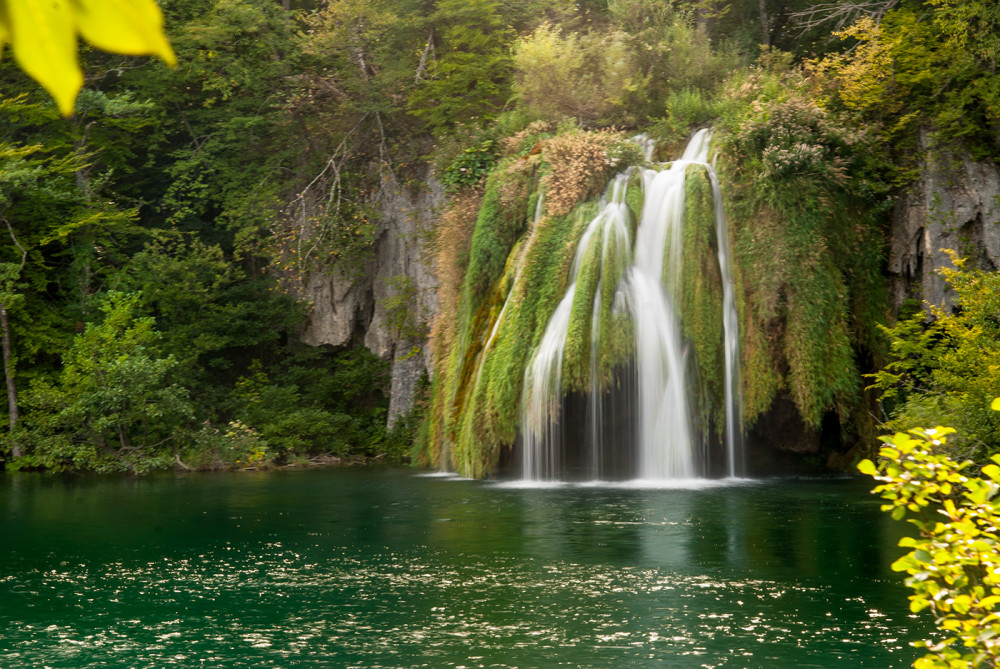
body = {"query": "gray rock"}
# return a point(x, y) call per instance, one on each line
point(388, 304)
point(339, 304)
point(953, 204)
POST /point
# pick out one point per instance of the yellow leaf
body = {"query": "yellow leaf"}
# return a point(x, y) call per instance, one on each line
point(867, 467)
point(4, 28)
point(43, 33)
point(131, 27)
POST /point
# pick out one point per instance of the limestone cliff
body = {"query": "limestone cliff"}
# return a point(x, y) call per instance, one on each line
point(386, 303)
point(953, 204)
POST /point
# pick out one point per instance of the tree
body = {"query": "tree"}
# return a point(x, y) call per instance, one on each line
point(22, 174)
point(948, 365)
point(114, 406)
point(43, 35)
point(840, 14)
point(953, 566)
point(470, 80)
point(9, 297)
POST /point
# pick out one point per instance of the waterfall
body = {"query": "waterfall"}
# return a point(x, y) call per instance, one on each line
point(647, 292)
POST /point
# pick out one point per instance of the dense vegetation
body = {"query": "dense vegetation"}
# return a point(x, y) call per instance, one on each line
point(952, 565)
point(143, 241)
point(813, 144)
point(155, 243)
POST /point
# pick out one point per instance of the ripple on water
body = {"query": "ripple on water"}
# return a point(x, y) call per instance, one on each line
point(355, 569)
point(432, 610)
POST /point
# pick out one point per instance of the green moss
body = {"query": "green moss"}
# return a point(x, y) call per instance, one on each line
point(701, 295)
point(635, 197)
point(806, 267)
point(491, 415)
point(576, 360)
point(810, 262)
point(495, 233)
point(615, 332)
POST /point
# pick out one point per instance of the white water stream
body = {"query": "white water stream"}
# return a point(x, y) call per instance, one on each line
point(668, 444)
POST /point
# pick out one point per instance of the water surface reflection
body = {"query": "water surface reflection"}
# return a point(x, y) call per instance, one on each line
point(382, 568)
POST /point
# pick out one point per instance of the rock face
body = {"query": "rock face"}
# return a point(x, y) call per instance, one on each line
point(387, 303)
point(954, 204)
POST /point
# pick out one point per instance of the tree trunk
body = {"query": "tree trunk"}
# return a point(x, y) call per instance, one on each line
point(765, 26)
point(123, 437)
point(8, 370)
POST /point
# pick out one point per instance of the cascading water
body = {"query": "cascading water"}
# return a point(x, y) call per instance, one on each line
point(647, 276)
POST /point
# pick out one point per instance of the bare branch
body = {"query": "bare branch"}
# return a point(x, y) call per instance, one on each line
point(13, 238)
point(428, 53)
point(840, 14)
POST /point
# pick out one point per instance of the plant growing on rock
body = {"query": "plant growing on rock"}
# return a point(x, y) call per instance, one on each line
point(803, 187)
point(948, 365)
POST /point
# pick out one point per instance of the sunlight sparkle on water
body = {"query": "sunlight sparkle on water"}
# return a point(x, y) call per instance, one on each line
point(353, 569)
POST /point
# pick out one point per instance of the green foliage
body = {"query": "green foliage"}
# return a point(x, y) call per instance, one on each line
point(471, 166)
point(924, 65)
point(468, 81)
point(261, 158)
point(114, 406)
point(953, 566)
point(44, 38)
point(949, 364)
point(152, 148)
point(804, 190)
point(487, 380)
point(972, 25)
point(672, 52)
point(687, 108)
point(603, 72)
point(492, 239)
point(400, 309)
point(210, 313)
point(234, 446)
point(624, 71)
point(700, 295)
point(304, 409)
point(514, 280)
point(795, 140)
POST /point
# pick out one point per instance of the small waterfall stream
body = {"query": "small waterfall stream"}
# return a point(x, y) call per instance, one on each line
point(667, 434)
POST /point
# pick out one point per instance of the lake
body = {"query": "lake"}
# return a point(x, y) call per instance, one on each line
point(383, 567)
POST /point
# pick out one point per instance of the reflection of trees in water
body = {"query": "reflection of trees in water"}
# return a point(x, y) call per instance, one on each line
point(716, 533)
point(583, 523)
point(800, 528)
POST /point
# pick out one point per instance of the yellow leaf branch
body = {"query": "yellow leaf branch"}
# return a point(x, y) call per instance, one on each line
point(43, 35)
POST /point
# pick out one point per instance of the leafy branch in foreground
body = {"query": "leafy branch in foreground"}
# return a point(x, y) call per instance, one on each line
point(43, 36)
point(954, 561)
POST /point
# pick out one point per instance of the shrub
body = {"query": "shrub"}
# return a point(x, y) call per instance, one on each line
point(948, 365)
point(115, 406)
point(804, 192)
point(580, 164)
point(671, 52)
point(687, 108)
point(953, 566)
point(470, 167)
point(586, 76)
point(236, 446)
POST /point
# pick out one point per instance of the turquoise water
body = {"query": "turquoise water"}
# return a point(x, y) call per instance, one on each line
point(379, 567)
